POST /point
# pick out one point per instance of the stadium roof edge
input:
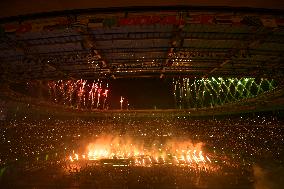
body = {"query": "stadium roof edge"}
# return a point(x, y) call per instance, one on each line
point(142, 9)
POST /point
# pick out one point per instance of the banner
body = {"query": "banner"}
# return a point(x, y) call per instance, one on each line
point(269, 22)
point(150, 20)
point(94, 21)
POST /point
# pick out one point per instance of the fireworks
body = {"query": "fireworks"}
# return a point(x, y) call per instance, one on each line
point(172, 152)
point(121, 102)
point(80, 93)
point(206, 92)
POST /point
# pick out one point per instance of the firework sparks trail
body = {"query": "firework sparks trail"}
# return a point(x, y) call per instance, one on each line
point(105, 97)
point(121, 102)
point(91, 95)
point(50, 88)
point(79, 93)
point(206, 92)
point(99, 95)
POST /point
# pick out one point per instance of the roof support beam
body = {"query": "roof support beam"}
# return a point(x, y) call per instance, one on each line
point(175, 42)
point(29, 59)
point(89, 43)
point(253, 42)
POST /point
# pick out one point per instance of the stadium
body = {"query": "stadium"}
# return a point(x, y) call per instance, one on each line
point(134, 95)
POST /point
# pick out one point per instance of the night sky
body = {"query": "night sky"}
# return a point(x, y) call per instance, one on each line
point(142, 93)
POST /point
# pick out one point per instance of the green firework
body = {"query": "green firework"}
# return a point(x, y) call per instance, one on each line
point(206, 92)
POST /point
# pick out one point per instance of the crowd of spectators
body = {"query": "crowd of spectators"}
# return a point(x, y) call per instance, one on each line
point(244, 138)
point(240, 140)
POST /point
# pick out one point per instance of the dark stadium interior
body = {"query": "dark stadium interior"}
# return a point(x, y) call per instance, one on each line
point(97, 94)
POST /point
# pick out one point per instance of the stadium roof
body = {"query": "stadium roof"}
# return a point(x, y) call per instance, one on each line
point(143, 42)
point(15, 7)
